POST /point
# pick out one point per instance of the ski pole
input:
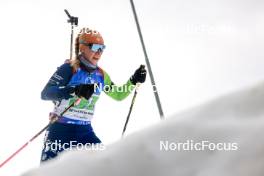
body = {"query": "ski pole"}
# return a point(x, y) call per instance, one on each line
point(155, 91)
point(35, 136)
point(131, 106)
point(130, 110)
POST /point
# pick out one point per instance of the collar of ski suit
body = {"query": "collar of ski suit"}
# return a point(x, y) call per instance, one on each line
point(87, 65)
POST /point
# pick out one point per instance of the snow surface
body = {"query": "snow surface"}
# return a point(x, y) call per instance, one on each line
point(234, 118)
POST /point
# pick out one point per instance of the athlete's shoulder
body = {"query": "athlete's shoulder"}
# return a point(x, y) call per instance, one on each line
point(65, 70)
point(102, 71)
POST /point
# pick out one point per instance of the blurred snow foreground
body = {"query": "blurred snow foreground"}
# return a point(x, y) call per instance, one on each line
point(230, 129)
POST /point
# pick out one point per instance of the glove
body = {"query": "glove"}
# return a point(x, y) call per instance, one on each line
point(84, 90)
point(139, 75)
point(64, 92)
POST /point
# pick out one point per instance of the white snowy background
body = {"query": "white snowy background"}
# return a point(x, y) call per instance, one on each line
point(198, 50)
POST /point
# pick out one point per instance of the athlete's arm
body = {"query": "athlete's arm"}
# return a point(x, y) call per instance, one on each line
point(56, 89)
point(117, 92)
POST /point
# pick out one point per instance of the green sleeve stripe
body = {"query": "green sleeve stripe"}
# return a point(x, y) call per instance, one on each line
point(117, 92)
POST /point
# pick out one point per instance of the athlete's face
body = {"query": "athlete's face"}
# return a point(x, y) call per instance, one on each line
point(92, 56)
